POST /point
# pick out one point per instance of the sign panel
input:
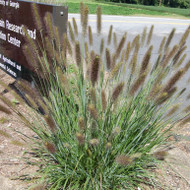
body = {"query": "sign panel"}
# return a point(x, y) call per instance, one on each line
point(14, 14)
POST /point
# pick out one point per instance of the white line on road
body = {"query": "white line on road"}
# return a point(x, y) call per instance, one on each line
point(138, 22)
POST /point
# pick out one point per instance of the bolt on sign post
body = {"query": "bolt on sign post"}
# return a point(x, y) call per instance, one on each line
point(14, 15)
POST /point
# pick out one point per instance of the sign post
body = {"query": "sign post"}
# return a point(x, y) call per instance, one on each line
point(14, 14)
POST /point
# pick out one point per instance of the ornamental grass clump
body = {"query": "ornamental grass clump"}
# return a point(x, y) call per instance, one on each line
point(100, 116)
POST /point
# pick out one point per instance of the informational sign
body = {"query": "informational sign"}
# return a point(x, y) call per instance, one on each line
point(14, 15)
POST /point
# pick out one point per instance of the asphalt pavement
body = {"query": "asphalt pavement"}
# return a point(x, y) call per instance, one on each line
point(135, 25)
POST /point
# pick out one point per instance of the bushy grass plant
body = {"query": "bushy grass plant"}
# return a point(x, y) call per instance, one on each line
point(100, 115)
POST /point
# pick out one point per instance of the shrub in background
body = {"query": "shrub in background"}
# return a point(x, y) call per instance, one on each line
point(104, 112)
point(170, 3)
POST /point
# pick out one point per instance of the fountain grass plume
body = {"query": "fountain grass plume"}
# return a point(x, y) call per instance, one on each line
point(115, 39)
point(150, 35)
point(4, 109)
point(117, 91)
point(143, 37)
point(120, 46)
point(110, 35)
point(146, 60)
point(78, 54)
point(170, 37)
point(85, 19)
point(162, 44)
point(75, 26)
point(95, 70)
point(37, 18)
point(178, 64)
point(102, 46)
point(99, 19)
point(90, 38)
point(108, 59)
point(178, 54)
point(104, 116)
point(103, 99)
point(71, 32)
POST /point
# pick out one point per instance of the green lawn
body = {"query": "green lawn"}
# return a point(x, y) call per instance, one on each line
point(109, 8)
point(127, 9)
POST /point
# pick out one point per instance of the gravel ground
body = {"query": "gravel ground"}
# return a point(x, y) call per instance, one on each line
point(173, 173)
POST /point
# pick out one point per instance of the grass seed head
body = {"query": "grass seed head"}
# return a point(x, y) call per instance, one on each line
point(75, 26)
point(178, 54)
point(178, 64)
point(37, 18)
point(108, 145)
point(133, 63)
point(104, 101)
point(86, 51)
point(120, 46)
point(78, 54)
point(117, 91)
point(187, 109)
point(169, 56)
point(173, 110)
point(170, 37)
point(93, 111)
point(4, 109)
point(127, 53)
point(173, 80)
point(17, 143)
point(150, 35)
point(81, 138)
point(115, 39)
point(95, 70)
point(66, 145)
point(164, 96)
point(115, 70)
point(116, 131)
point(94, 142)
point(7, 102)
point(160, 155)
point(184, 37)
point(123, 160)
point(49, 25)
point(31, 101)
point(38, 187)
point(57, 38)
point(187, 66)
point(85, 20)
point(135, 41)
point(110, 35)
point(143, 36)
point(146, 60)
point(138, 83)
point(50, 147)
point(81, 123)
point(4, 134)
point(81, 12)
point(162, 45)
point(90, 38)
point(3, 120)
point(50, 122)
point(49, 46)
point(185, 120)
point(102, 46)
point(68, 45)
point(93, 95)
point(108, 59)
point(71, 33)
point(99, 19)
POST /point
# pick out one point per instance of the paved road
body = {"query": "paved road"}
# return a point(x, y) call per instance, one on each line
point(135, 25)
